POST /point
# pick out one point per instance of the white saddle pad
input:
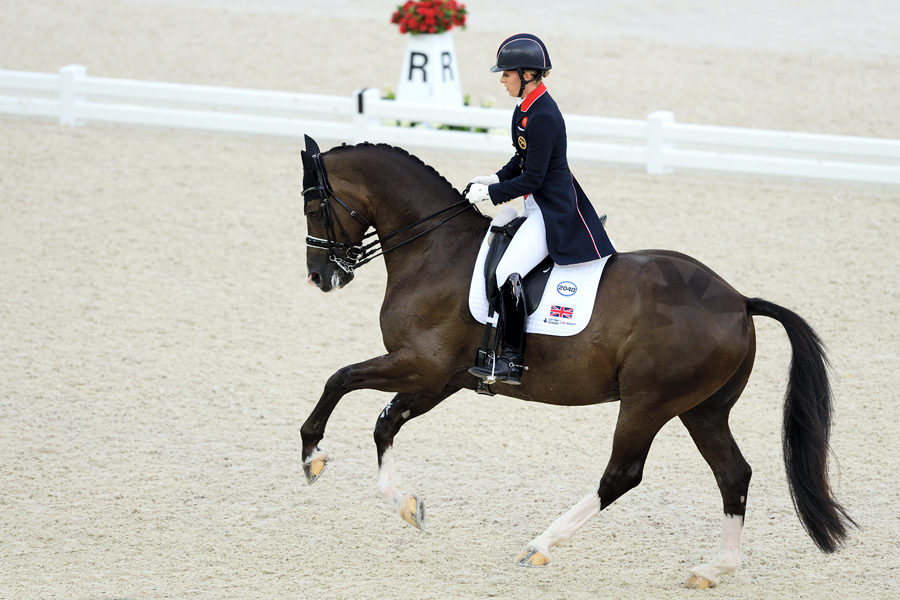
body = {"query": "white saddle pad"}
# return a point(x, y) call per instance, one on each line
point(568, 300)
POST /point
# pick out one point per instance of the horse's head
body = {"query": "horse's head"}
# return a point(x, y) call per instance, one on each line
point(350, 189)
point(335, 230)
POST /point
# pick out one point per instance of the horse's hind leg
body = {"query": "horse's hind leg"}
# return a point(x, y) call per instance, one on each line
point(708, 426)
point(631, 444)
point(400, 410)
point(710, 431)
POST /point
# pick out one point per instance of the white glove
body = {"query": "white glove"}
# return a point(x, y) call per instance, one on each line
point(478, 192)
point(486, 179)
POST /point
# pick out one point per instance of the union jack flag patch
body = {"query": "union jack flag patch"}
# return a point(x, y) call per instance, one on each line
point(563, 312)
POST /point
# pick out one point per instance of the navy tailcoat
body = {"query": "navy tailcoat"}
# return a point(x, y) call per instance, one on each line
point(539, 167)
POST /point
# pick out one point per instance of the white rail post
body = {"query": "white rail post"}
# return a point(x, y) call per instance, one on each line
point(68, 81)
point(365, 99)
point(656, 141)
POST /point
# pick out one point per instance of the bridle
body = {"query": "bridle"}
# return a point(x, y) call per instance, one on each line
point(347, 255)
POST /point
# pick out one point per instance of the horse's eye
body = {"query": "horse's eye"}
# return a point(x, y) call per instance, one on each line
point(313, 213)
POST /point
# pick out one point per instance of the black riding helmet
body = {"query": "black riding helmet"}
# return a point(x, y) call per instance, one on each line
point(522, 52)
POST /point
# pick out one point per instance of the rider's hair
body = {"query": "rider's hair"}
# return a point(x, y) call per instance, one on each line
point(537, 75)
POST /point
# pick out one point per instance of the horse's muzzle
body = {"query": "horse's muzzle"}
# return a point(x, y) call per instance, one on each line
point(337, 280)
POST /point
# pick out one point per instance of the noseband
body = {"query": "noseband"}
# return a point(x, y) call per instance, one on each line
point(347, 255)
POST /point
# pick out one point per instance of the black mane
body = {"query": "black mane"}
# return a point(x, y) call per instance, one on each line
point(405, 153)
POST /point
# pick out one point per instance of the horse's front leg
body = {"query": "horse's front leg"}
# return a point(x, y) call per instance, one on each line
point(393, 372)
point(399, 410)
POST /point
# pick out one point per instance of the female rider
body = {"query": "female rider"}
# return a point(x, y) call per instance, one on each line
point(560, 219)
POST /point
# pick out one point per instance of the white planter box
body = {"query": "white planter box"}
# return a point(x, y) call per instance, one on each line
point(430, 73)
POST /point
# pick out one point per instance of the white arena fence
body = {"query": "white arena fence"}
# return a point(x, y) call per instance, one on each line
point(74, 98)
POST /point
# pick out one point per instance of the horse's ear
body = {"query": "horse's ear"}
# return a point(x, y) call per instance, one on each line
point(311, 146)
point(309, 169)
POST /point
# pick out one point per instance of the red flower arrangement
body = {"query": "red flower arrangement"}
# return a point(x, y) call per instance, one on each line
point(429, 16)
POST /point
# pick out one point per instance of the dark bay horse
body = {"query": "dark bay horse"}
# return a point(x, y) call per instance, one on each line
point(668, 338)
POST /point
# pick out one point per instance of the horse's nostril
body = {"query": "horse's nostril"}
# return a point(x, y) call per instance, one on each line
point(314, 279)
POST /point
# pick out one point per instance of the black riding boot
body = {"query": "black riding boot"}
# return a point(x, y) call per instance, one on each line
point(508, 366)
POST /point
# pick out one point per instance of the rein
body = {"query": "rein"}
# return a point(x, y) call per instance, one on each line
point(349, 256)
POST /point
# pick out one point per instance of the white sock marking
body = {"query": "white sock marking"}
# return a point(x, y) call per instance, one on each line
point(562, 529)
point(728, 559)
point(388, 480)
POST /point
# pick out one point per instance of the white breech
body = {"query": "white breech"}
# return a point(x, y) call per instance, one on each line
point(528, 247)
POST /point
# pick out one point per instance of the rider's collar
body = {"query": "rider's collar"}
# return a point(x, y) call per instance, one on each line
point(534, 95)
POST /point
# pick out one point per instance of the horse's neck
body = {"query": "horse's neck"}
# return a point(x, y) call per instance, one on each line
point(401, 192)
point(395, 210)
point(447, 248)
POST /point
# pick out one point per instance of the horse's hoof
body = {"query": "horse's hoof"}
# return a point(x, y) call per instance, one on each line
point(314, 468)
point(696, 582)
point(412, 510)
point(532, 557)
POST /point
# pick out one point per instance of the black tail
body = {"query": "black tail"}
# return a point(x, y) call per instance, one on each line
point(807, 427)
